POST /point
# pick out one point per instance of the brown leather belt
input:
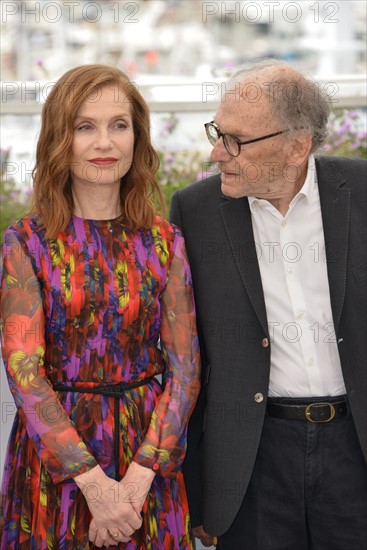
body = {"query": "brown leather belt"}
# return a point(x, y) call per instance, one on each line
point(318, 412)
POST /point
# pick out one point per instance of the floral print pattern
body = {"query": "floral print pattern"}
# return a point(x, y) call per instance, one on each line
point(97, 306)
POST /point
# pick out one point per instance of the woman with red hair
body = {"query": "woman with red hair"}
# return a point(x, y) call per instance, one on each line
point(96, 302)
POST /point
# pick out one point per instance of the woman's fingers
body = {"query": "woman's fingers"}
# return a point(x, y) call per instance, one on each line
point(125, 528)
point(103, 537)
point(118, 535)
point(93, 530)
point(135, 520)
point(109, 536)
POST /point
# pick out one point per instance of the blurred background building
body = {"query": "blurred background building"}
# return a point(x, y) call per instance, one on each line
point(177, 51)
point(192, 38)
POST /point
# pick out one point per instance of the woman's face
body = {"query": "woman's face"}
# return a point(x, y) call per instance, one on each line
point(103, 142)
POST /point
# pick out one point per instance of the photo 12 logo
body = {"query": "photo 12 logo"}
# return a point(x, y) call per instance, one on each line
point(70, 11)
point(268, 12)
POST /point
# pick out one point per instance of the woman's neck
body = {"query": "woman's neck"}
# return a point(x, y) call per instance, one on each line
point(97, 205)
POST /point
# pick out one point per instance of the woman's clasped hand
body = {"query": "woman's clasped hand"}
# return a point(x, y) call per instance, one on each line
point(115, 505)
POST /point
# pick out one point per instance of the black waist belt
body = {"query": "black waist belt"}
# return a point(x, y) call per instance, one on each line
point(116, 391)
point(314, 412)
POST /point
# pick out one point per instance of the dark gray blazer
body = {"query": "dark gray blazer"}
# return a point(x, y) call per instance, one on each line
point(225, 428)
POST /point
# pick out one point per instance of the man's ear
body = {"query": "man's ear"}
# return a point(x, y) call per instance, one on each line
point(300, 146)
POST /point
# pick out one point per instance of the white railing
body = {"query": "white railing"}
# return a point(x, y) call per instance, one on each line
point(25, 98)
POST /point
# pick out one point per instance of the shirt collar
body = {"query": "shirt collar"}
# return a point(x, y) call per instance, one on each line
point(309, 184)
point(306, 190)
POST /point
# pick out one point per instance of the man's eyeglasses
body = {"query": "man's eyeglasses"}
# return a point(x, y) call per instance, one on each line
point(231, 143)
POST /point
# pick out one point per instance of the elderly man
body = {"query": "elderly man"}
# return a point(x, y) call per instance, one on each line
point(277, 246)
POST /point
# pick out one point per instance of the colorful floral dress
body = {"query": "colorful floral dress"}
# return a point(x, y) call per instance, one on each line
point(98, 307)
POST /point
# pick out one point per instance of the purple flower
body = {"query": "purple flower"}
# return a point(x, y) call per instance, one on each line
point(344, 128)
point(352, 115)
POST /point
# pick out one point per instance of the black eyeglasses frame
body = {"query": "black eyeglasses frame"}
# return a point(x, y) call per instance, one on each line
point(239, 143)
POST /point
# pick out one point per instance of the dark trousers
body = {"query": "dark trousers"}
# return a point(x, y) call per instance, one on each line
point(308, 490)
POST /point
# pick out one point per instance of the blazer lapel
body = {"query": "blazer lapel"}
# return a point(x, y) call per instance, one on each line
point(335, 208)
point(236, 217)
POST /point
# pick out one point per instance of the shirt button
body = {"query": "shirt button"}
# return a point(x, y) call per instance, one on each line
point(265, 343)
point(259, 397)
point(284, 223)
point(155, 467)
point(290, 270)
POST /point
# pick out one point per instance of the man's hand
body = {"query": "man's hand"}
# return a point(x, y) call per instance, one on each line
point(205, 538)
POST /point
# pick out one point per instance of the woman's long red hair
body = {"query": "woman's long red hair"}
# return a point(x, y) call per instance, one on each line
point(52, 197)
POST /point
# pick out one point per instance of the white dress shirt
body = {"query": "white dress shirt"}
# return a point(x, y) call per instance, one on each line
point(291, 251)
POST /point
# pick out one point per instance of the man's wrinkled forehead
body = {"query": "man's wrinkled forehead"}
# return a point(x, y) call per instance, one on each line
point(265, 84)
point(253, 86)
point(250, 93)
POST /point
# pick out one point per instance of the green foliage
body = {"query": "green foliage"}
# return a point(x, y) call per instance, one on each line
point(178, 169)
point(13, 201)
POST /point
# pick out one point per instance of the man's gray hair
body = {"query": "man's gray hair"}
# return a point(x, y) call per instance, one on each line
point(297, 102)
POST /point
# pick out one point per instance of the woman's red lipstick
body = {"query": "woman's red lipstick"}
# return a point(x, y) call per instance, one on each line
point(105, 161)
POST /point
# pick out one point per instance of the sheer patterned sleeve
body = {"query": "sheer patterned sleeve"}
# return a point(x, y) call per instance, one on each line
point(164, 446)
point(59, 446)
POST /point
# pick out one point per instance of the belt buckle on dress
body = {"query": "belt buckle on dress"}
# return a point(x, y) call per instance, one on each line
point(308, 412)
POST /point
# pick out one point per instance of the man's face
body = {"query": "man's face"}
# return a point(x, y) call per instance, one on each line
point(262, 168)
